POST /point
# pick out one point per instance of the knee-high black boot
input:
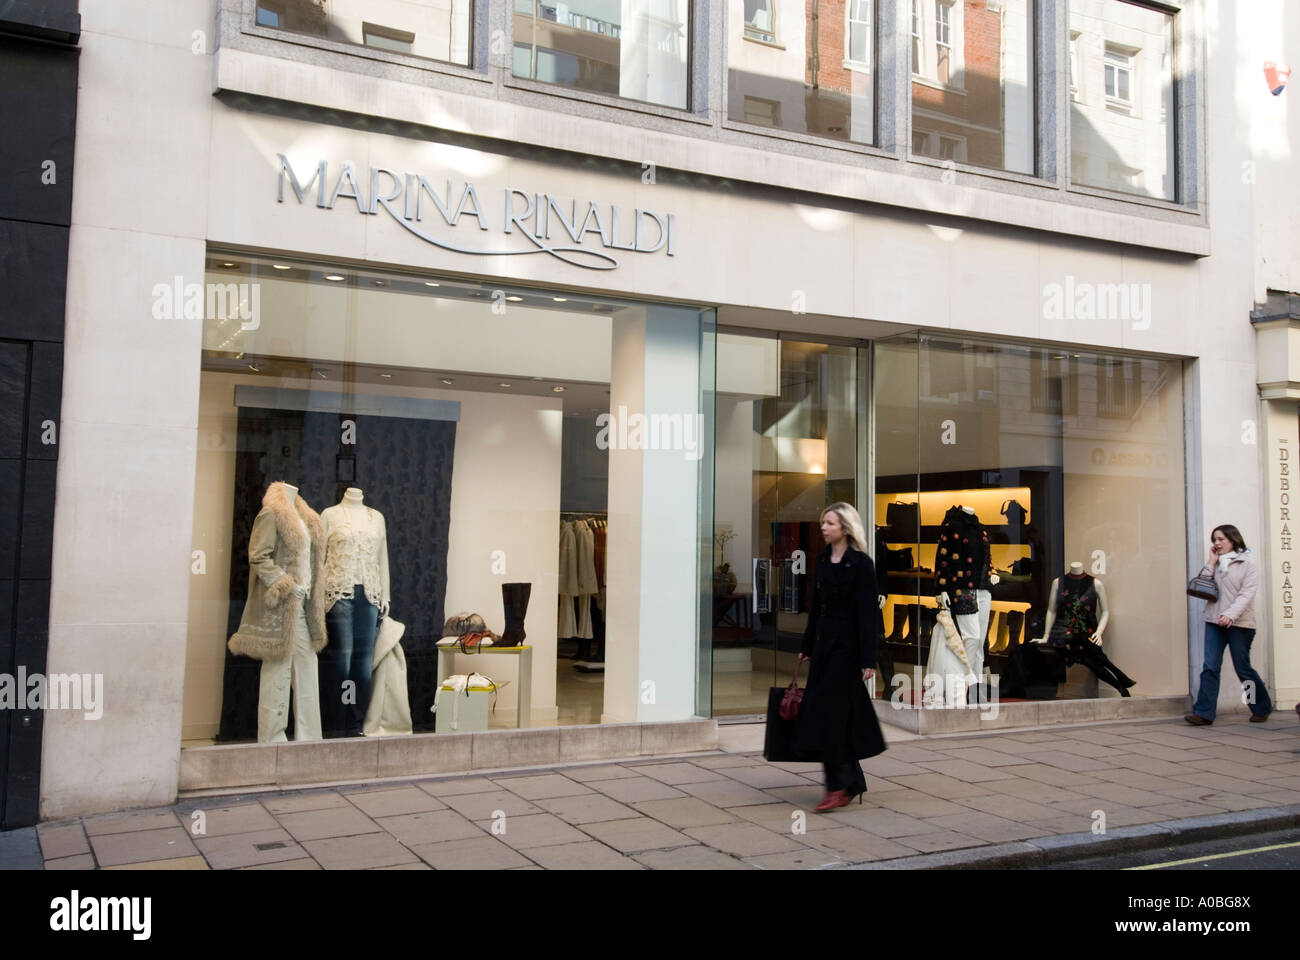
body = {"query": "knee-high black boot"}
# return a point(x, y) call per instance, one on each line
point(514, 597)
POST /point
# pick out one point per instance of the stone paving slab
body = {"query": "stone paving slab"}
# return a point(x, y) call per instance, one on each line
point(948, 800)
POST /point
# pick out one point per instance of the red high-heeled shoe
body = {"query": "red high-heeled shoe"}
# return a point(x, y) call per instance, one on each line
point(833, 799)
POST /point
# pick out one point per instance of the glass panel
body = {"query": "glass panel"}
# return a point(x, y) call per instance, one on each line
point(434, 29)
point(787, 446)
point(637, 49)
point(1122, 108)
point(973, 83)
point(803, 67)
point(1061, 475)
point(455, 445)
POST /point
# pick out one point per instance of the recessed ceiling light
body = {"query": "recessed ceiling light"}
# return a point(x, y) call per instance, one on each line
point(445, 380)
point(503, 384)
point(230, 264)
point(834, 129)
point(387, 376)
point(514, 299)
point(558, 389)
point(280, 266)
point(255, 369)
point(430, 283)
point(560, 299)
point(379, 283)
point(333, 276)
point(322, 374)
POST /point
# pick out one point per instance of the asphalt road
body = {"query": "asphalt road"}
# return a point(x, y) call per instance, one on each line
point(1262, 851)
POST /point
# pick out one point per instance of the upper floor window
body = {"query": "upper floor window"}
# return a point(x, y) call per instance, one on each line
point(758, 21)
point(973, 82)
point(808, 77)
point(1122, 120)
point(434, 29)
point(639, 49)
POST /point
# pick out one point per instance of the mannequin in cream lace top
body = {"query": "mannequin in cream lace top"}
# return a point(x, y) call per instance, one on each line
point(356, 597)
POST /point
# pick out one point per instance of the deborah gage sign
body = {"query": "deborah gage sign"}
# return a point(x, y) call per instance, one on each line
point(454, 215)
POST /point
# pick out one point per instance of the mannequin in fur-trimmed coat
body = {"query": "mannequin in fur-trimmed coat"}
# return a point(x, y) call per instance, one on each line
point(286, 557)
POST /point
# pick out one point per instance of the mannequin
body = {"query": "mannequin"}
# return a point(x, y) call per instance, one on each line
point(1079, 601)
point(964, 577)
point(356, 599)
point(283, 620)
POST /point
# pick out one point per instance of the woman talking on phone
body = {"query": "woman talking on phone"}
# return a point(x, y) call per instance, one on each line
point(1230, 622)
point(836, 719)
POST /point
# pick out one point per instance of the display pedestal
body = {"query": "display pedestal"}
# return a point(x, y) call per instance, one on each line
point(446, 661)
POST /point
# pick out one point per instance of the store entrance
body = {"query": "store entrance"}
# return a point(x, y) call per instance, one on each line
point(788, 443)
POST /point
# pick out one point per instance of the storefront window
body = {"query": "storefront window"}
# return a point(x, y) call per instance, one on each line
point(466, 450)
point(434, 29)
point(973, 82)
point(1058, 473)
point(1122, 98)
point(639, 49)
point(803, 67)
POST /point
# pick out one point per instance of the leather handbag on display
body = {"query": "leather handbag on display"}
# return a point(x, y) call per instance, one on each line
point(1203, 587)
point(904, 521)
point(1014, 512)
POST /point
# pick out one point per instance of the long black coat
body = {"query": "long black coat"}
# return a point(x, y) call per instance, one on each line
point(836, 720)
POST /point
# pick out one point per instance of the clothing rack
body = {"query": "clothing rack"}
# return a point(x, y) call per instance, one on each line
point(589, 660)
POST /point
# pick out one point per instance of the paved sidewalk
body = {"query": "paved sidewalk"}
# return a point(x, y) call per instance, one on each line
point(974, 795)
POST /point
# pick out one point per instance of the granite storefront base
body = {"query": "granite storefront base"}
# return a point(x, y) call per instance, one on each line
point(1032, 713)
point(212, 768)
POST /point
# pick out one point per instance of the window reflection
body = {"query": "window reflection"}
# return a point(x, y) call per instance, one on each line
point(1122, 100)
point(637, 49)
point(805, 66)
point(973, 82)
point(434, 29)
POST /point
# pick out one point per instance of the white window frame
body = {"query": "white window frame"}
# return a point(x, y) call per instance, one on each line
point(1125, 60)
point(925, 42)
point(867, 6)
point(762, 36)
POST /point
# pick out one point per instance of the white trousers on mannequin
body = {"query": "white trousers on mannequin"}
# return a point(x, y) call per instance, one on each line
point(297, 673)
point(973, 628)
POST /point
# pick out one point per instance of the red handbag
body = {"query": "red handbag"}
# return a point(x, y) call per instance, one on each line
point(793, 697)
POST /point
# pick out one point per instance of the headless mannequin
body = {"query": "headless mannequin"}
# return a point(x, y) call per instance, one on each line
point(353, 533)
point(973, 626)
point(1085, 650)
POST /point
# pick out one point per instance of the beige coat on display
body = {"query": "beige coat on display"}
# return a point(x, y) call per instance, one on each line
point(286, 557)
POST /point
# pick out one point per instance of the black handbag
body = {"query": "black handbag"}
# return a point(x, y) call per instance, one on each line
point(1203, 587)
point(904, 521)
point(1014, 512)
point(778, 738)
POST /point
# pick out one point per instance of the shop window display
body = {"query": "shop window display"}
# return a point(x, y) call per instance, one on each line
point(383, 457)
point(1046, 531)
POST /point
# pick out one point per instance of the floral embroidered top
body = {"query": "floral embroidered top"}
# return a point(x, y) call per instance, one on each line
point(356, 552)
point(962, 562)
point(1076, 610)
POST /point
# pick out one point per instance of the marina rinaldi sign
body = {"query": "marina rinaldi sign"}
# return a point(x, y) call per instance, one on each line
point(577, 232)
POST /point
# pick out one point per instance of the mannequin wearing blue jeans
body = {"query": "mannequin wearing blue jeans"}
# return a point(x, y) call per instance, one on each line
point(1237, 640)
point(351, 624)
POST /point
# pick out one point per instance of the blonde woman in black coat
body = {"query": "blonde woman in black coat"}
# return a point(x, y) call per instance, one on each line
point(836, 719)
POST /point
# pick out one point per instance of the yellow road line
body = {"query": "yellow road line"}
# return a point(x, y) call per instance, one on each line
point(1215, 856)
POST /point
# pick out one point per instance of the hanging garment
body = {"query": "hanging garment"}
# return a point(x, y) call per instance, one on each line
point(567, 625)
point(389, 711)
point(587, 586)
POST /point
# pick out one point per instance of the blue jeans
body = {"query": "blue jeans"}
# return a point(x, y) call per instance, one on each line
point(351, 625)
point(1237, 640)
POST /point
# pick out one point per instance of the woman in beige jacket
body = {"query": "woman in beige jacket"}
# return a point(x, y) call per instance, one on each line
point(1230, 622)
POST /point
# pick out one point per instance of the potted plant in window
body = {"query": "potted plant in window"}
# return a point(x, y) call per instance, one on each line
point(724, 578)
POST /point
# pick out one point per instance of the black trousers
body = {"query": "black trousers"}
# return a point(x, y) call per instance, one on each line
point(1091, 656)
point(845, 776)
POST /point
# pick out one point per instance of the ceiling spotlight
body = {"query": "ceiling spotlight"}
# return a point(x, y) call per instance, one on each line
point(230, 264)
point(387, 376)
point(379, 283)
point(560, 299)
point(280, 266)
point(322, 374)
point(430, 283)
point(446, 381)
point(558, 389)
point(333, 276)
point(254, 368)
point(514, 299)
point(503, 384)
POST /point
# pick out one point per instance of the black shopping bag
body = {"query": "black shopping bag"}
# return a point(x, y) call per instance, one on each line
point(778, 742)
